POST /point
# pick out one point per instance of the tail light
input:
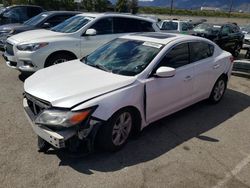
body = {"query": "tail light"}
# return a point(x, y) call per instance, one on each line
point(232, 59)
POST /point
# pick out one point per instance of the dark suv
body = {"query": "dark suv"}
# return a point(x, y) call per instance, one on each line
point(228, 36)
point(18, 13)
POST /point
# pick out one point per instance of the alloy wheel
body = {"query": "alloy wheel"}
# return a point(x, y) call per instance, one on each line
point(219, 90)
point(122, 128)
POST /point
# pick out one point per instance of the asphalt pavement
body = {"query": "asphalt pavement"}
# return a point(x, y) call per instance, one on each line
point(202, 146)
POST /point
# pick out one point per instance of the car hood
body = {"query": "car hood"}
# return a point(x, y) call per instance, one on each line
point(17, 27)
point(68, 84)
point(39, 34)
point(8, 27)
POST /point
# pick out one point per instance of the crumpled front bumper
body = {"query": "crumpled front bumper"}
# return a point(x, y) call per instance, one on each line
point(55, 138)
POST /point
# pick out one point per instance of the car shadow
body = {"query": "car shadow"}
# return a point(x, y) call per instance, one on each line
point(162, 136)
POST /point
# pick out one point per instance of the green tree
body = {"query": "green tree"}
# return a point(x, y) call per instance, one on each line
point(133, 6)
point(102, 5)
point(122, 6)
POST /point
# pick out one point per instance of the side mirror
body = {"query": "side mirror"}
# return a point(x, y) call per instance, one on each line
point(90, 32)
point(165, 72)
point(46, 25)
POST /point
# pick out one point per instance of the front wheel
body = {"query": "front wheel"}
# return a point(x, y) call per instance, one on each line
point(218, 90)
point(115, 133)
point(57, 59)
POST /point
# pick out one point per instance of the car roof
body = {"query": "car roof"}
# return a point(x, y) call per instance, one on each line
point(161, 38)
point(24, 6)
point(97, 15)
point(60, 12)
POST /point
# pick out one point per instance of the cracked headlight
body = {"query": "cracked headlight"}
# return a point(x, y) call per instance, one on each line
point(63, 118)
point(31, 47)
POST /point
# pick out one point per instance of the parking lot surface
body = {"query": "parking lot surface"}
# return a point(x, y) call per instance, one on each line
point(201, 146)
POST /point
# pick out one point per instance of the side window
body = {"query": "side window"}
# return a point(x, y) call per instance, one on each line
point(17, 14)
point(103, 26)
point(235, 29)
point(177, 57)
point(144, 26)
point(226, 30)
point(169, 26)
point(129, 25)
point(200, 50)
point(33, 11)
point(55, 20)
point(184, 26)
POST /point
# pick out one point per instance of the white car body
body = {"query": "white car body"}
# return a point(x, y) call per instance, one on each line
point(76, 43)
point(76, 86)
point(246, 42)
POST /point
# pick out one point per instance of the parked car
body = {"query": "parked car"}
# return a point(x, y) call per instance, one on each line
point(245, 29)
point(246, 45)
point(122, 87)
point(18, 13)
point(72, 39)
point(175, 26)
point(45, 20)
point(228, 36)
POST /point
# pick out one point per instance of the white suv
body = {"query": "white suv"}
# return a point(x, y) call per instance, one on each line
point(72, 39)
point(175, 26)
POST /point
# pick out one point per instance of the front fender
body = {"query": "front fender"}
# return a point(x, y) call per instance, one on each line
point(110, 103)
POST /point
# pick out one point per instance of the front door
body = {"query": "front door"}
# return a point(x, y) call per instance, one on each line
point(167, 95)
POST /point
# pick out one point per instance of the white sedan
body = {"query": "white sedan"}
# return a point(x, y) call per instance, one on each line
point(122, 87)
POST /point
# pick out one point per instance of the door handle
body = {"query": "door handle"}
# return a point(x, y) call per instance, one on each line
point(216, 66)
point(187, 78)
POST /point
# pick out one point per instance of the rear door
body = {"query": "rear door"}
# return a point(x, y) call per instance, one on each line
point(227, 38)
point(201, 56)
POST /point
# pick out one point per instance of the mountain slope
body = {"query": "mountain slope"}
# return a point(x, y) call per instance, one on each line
point(190, 4)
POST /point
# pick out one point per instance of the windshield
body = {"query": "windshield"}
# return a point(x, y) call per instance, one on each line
point(72, 24)
point(2, 9)
point(124, 57)
point(36, 20)
point(207, 28)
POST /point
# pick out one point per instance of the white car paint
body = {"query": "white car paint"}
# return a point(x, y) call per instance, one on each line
point(75, 42)
point(246, 42)
point(76, 86)
point(180, 25)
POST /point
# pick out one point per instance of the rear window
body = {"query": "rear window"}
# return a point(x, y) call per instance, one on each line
point(208, 28)
point(200, 50)
point(169, 26)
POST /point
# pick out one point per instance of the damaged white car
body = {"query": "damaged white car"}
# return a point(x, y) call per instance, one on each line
point(122, 87)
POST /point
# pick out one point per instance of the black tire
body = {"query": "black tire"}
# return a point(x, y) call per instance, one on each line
point(237, 49)
point(58, 58)
point(43, 146)
point(218, 90)
point(106, 135)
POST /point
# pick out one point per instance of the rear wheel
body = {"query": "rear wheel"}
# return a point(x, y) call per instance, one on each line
point(237, 49)
point(218, 90)
point(115, 133)
point(57, 59)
